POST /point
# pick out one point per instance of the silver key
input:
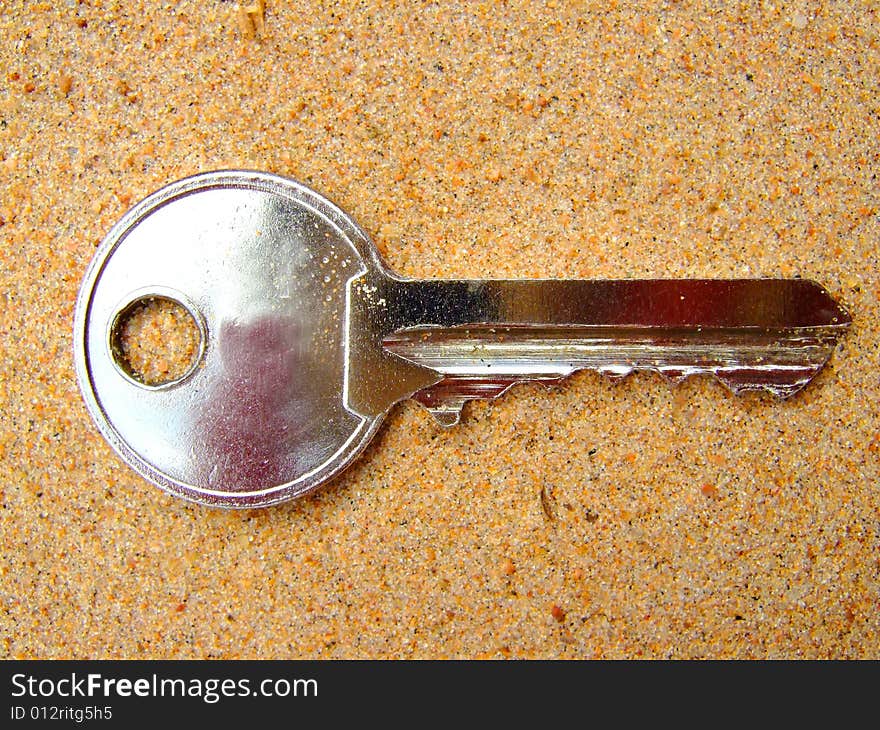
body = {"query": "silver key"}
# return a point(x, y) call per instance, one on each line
point(307, 340)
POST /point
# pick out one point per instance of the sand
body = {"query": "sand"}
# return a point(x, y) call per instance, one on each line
point(531, 139)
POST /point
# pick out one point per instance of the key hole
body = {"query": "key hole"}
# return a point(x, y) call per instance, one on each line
point(156, 341)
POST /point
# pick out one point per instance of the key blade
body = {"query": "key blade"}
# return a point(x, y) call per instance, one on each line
point(751, 334)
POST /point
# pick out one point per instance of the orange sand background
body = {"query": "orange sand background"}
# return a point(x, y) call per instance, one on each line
point(526, 139)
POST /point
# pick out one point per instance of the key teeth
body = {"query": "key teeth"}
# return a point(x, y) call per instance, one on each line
point(783, 388)
point(737, 381)
point(783, 385)
point(673, 376)
point(444, 400)
point(446, 415)
point(615, 372)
